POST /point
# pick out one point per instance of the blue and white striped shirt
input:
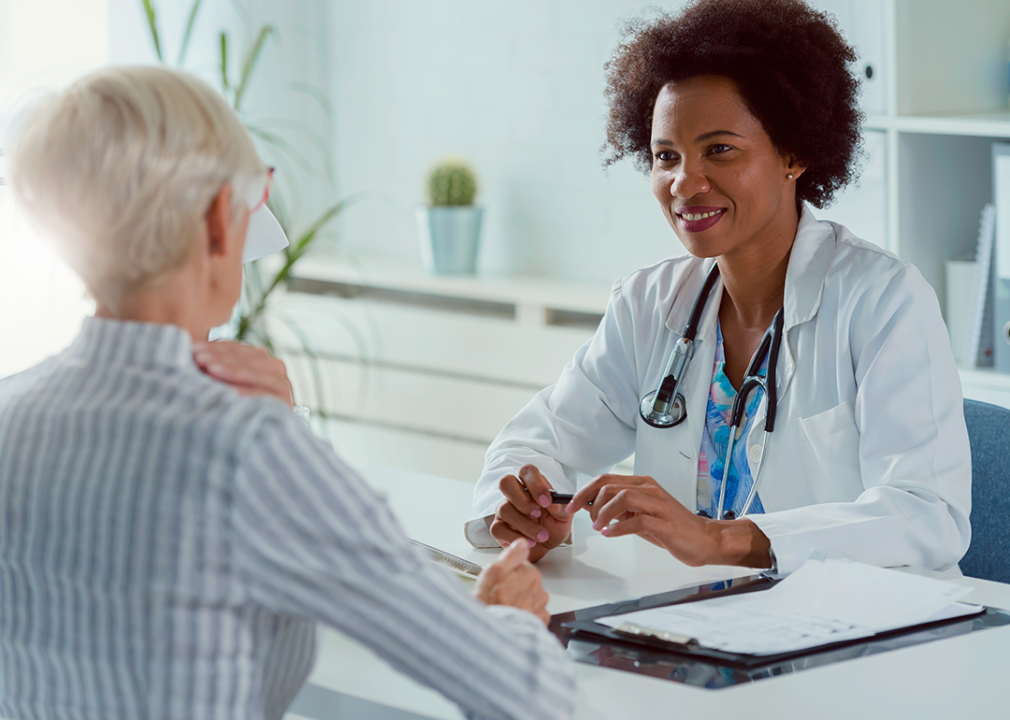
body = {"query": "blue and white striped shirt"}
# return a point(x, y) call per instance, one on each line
point(167, 546)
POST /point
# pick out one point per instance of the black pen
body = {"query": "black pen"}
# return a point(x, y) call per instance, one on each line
point(563, 498)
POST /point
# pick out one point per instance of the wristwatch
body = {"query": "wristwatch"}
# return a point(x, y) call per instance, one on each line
point(774, 569)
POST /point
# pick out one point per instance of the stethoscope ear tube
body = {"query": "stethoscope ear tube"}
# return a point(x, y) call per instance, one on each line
point(665, 407)
point(773, 360)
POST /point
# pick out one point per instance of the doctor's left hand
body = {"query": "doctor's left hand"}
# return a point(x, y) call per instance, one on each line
point(638, 505)
point(249, 369)
point(526, 512)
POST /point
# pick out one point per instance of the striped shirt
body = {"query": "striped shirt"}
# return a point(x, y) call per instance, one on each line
point(168, 546)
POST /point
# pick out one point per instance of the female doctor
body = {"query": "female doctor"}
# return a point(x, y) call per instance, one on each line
point(745, 114)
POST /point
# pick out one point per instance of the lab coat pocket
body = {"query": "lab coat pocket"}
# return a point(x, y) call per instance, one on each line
point(830, 449)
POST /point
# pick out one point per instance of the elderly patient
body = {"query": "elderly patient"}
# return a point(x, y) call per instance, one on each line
point(167, 542)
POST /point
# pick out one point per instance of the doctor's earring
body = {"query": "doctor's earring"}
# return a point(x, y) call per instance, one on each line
point(789, 176)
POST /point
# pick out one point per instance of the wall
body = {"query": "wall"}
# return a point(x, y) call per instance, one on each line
point(516, 87)
point(284, 97)
point(47, 44)
point(44, 45)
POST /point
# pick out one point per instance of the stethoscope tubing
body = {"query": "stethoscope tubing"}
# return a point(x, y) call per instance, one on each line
point(665, 407)
point(770, 346)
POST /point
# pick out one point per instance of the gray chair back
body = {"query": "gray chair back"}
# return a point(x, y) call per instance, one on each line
point(988, 557)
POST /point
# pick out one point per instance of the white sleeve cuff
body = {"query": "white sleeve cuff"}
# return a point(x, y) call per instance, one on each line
point(478, 532)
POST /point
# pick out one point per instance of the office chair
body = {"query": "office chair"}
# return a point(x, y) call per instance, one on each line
point(988, 557)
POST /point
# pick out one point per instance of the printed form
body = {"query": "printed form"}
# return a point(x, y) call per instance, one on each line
point(825, 601)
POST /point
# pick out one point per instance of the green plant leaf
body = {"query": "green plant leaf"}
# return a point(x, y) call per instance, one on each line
point(314, 360)
point(250, 62)
point(322, 147)
point(224, 62)
point(297, 249)
point(152, 25)
point(280, 143)
point(193, 11)
point(316, 94)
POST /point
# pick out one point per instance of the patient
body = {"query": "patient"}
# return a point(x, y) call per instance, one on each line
point(168, 541)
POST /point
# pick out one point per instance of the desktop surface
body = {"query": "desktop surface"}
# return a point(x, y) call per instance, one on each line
point(958, 676)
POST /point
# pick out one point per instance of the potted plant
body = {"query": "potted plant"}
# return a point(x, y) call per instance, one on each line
point(449, 227)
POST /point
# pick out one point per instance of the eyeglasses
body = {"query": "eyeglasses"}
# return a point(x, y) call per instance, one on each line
point(266, 191)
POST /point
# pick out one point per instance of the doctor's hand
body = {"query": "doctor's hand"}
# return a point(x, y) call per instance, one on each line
point(511, 580)
point(249, 369)
point(526, 513)
point(638, 505)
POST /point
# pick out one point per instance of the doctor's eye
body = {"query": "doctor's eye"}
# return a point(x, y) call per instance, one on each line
point(666, 156)
point(720, 149)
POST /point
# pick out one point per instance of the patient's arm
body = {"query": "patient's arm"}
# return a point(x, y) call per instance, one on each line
point(249, 369)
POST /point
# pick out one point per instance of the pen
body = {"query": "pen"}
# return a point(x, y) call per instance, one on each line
point(558, 498)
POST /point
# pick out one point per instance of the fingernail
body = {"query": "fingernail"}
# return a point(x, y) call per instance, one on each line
point(569, 506)
point(542, 536)
point(531, 543)
point(544, 500)
point(596, 525)
point(216, 368)
point(535, 514)
point(605, 531)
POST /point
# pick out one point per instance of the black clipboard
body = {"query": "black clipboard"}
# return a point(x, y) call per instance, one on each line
point(592, 642)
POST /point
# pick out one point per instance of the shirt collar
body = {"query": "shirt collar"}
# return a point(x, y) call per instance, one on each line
point(139, 344)
point(809, 260)
point(808, 268)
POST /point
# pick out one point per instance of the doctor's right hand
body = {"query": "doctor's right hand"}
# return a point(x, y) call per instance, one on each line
point(527, 513)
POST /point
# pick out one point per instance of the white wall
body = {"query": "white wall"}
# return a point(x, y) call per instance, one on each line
point(44, 45)
point(516, 87)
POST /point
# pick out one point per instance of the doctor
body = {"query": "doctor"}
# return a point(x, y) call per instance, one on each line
point(745, 114)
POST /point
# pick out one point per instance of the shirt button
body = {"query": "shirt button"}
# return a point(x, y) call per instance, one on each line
point(754, 454)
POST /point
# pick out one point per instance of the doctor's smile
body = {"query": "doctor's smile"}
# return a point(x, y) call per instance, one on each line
point(754, 378)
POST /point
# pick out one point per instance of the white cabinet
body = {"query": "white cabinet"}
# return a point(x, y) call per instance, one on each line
point(419, 372)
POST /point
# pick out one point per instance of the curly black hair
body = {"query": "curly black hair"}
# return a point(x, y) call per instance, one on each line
point(789, 62)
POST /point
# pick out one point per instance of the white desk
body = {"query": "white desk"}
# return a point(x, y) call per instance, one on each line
point(960, 677)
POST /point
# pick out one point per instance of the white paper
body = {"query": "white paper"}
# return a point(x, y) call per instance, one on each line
point(1001, 183)
point(825, 601)
point(980, 335)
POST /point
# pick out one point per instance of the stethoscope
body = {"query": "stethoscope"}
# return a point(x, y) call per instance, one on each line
point(665, 407)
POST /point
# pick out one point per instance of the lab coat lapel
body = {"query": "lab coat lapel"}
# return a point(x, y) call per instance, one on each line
point(674, 452)
point(809, 260)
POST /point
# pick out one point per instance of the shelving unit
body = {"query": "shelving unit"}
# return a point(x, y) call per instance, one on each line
point(936, 102)
point(939, 97)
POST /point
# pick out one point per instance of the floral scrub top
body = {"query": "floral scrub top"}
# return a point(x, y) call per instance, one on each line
point(715, 438)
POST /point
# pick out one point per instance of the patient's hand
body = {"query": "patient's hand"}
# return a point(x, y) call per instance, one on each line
point(512, 580)
point(250, 370)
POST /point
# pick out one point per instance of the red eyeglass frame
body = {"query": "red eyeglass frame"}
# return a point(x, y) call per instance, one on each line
point(266, 191)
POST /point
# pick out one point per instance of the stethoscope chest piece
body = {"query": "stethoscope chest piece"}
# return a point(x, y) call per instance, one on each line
point(663, 415)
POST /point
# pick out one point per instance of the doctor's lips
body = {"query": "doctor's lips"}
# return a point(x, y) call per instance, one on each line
point(699, 218)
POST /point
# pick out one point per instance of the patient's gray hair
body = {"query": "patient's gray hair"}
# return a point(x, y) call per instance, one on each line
point(121, 168)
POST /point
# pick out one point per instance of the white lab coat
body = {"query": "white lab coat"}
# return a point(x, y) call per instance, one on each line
point(869, 458)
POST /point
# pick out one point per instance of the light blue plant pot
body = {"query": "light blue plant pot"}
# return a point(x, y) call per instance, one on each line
point(449, 238)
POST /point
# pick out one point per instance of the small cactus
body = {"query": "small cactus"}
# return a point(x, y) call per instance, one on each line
point(452, 182)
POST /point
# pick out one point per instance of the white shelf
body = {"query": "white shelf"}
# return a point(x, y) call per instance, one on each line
point(984, 124)
point(985, 379)
point(533, 297)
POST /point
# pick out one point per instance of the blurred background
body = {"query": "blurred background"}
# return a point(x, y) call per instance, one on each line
point(356, 102)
